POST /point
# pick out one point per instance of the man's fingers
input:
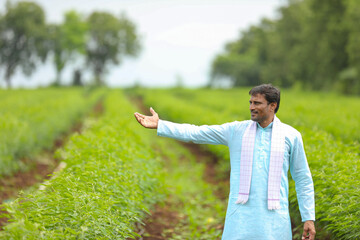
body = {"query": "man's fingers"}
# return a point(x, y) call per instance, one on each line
point(147, 121)
point(152, 111)
point(137, 118)
point(308, 234)
point(139, 115)
point(140, 118)
point(305, 235)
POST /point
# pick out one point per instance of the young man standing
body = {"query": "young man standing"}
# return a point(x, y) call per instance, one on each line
point(262, 150)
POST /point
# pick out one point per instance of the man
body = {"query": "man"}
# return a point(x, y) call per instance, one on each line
point(262, 150)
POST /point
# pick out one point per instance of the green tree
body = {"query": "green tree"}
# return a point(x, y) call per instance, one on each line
point(110, 39)
point(350, 78)
point(241, 70)
point(330, 37)
point(244, 58)
point(67, 41)
point(315, 42)
point(22, 35)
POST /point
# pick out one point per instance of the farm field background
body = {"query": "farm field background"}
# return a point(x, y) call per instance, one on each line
point(116, 171)
point(31, 120)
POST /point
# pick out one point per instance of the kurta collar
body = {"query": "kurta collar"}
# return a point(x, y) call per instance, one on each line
point(269, 127)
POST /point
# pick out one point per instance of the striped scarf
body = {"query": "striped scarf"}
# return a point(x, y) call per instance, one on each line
point(276, 162)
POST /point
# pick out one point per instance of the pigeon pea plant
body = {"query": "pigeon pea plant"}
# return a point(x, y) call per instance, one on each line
point(111, 178)
point(31, 120)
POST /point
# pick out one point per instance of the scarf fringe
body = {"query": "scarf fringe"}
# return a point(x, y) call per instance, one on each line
point(273, 205)
point(242, 199)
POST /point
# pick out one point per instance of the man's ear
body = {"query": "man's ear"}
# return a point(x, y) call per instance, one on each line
point(273, 106)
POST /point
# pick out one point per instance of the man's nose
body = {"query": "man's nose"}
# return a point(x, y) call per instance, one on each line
point(251, 107)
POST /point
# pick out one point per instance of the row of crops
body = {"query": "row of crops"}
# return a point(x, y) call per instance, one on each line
point(330, 129)
point(115, 172)
point(31, 120)
point(111, 178)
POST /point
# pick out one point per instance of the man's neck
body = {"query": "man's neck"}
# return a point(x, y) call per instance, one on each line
point(266, 122)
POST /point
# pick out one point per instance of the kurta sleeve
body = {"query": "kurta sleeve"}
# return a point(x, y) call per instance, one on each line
point(214, 134)
point(304, 186)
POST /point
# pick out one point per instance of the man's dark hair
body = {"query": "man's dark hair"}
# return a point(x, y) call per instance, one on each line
point(271, 93)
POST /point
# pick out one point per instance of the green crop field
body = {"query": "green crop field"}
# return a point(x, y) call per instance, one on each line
point(32, 119)
point(116, 171)
point(330, 128)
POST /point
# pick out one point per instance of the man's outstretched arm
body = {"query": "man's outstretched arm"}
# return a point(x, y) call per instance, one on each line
point(214, 134)
point(148, 121)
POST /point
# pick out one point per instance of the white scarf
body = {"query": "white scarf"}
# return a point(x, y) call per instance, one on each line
point(275, 168)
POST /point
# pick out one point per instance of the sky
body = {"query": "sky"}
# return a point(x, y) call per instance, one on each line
point(179, 38)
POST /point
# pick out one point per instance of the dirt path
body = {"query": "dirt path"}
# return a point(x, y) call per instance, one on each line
point(40, 168)
point(211, 175)
point(161, 224)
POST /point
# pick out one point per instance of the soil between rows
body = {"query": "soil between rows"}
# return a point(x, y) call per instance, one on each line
point(162, 221)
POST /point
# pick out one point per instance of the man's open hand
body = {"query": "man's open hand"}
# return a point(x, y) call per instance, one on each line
point(309, 230)
point(148, 121)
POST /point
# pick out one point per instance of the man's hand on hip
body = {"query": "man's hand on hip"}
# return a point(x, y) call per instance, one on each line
point(148, 121)
point(309, 230)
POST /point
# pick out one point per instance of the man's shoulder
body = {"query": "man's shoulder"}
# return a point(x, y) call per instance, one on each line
point(290, 131)
point(239, 125)
point(243, 122)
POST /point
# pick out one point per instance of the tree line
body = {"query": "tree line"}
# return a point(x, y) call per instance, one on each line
point(99, 39)
point(312, 43)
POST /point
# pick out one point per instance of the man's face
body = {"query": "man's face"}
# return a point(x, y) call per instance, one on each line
point(261, 111)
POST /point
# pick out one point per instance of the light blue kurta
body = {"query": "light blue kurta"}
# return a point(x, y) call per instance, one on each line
point(253, 220)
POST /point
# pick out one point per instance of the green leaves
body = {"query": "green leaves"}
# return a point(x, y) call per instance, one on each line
point(111, 179)
point(33, 119)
